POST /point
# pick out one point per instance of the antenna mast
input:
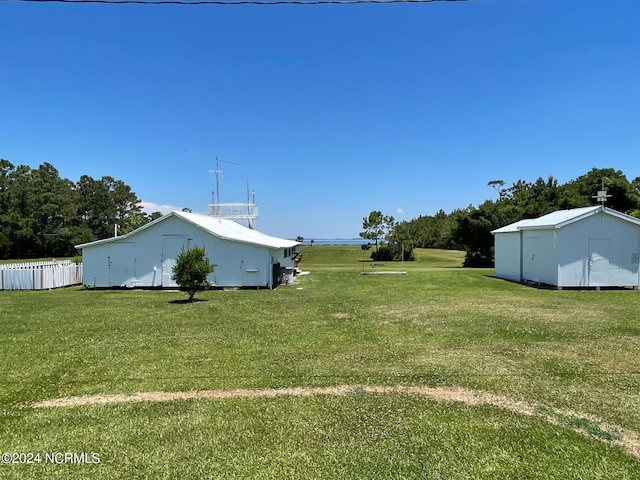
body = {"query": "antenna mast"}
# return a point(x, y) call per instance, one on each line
point(217, 171)
point(602, 196)
point(251, 205)
point(235, 211)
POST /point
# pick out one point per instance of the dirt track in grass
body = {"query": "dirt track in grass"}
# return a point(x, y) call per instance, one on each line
point(611, 434)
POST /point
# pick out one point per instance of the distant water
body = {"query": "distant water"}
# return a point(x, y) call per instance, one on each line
point(336, 241)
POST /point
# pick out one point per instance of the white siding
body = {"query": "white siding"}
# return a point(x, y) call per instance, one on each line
point(538, 257)
point(588, 247)
point(94, 261)
point(507, 256)
point(601, 251)
point(145, 258)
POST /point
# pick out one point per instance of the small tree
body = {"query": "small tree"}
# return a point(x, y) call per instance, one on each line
point(498, 185)
point(191, 270)
point(377, 226)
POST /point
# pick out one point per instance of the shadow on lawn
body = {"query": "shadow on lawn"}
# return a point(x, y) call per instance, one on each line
point(186, 301)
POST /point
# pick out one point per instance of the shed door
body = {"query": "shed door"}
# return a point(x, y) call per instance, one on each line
point(121, 264)
point(531, 259)
point(599, 262)
point(171, 246)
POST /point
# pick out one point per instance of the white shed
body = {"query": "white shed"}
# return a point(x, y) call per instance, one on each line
point(145, 257)
point(582, 247)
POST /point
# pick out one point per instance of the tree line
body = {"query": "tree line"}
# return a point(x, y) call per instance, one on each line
point(469, 228)
point(43, 215)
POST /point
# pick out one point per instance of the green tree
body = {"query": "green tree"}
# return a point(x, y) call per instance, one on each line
point(54, 209)
point(377, 226)
point(133, 222)
point(473, 233)
point(636, 189)
point(43, 215)
point(5, 246)
point(399, 242)
point(191, 270)
point(105, 203)
point(498, 185)
point(625, 196)
point(433, 231)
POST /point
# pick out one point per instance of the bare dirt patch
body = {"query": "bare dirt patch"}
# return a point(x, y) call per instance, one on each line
point(611, 434)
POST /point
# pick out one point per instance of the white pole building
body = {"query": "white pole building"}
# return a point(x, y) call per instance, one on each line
point(145, 257)
point(582, 247)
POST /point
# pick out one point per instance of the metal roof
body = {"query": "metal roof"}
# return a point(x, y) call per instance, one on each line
point(220, 227)
point(230, 230)
point(512, 227)
point(560, 218)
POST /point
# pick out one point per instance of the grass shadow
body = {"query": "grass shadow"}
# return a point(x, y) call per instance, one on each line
point(537, 286)
point(185, 301)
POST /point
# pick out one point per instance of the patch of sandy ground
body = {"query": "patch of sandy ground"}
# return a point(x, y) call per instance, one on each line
point(627, 440)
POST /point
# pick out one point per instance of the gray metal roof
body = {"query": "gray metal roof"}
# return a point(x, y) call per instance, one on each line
point(512, 227)
point(560, 218)
point(230, 230)
point(220, 227)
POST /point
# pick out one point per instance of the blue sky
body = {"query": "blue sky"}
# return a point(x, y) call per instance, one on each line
point(332, 111)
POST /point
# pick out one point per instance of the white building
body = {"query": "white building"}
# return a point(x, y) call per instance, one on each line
point(145, 257)
point(582, 247)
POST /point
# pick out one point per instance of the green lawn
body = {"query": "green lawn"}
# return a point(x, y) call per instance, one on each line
point(570, 355)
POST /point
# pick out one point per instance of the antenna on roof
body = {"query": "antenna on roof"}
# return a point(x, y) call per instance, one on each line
point(602, 196)
point(236, 211)
point(250, 204)
point(217, 171)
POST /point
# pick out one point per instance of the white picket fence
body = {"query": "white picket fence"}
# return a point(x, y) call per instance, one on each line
point(39, 275)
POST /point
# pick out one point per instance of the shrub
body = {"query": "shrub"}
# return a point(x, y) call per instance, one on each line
point(191, 270)
point(478, 260)
point(392, 252)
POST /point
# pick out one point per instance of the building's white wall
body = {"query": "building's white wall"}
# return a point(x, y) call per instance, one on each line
point(148, 256)
point(573, 255)
point(507, 255)
point(598, 251)
point(539, 256)
point(94, 266)
point(617, 240)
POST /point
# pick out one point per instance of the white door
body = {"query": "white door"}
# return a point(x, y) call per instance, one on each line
point(121, 263)
point(171, 247)
point(531, 260)
point(599, 262)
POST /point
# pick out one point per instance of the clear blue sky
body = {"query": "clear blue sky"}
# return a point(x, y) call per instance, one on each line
point(332, 111)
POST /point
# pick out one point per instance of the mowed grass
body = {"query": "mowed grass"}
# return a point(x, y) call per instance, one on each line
point(439, 325)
